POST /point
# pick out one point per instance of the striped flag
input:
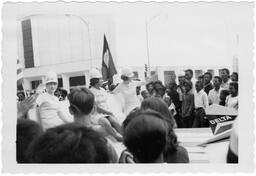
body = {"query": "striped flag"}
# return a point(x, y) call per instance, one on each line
point(108, 67)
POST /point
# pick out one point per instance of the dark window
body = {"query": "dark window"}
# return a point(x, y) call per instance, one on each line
point(60, 82)
point(169, 76)
point(77, 81)
point(27, 43)
point(35, 83)
point(152, 73)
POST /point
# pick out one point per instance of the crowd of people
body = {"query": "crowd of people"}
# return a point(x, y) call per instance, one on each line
point(147, 132)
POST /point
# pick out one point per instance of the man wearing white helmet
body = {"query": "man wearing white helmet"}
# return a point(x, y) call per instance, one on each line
point(128, 89)
point(50, 114)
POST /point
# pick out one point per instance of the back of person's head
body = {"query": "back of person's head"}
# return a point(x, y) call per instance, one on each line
point(145, 136)
point(158, 105)
point(71, 143)
point(81, 101)
point(27, 131)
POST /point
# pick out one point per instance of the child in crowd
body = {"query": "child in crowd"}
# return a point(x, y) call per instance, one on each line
point(145, 94)
point(234, 77)
point(187, 106)
point(201, 102)
point(223, 95)
point(224, 74)
point(207, 82)
point(150, 88)
point(214, 94)
point(82, 108)
point(232, 99)
point(71, 143)
point(27, 131)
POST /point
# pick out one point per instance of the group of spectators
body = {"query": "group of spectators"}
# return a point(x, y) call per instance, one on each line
point(188, 100)
point(147, 132)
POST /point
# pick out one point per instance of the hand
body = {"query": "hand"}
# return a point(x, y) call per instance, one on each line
point(26, 105)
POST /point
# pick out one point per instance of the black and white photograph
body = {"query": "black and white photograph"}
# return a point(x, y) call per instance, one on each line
point(127, 84)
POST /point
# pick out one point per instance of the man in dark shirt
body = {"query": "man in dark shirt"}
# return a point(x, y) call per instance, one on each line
point(174, 96)
point(207, 82)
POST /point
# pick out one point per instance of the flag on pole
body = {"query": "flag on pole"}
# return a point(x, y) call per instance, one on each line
point(108, 67)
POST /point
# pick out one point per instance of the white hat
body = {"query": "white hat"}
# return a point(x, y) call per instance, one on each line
point(127, 71)
point(51, 77)
point(94, 73)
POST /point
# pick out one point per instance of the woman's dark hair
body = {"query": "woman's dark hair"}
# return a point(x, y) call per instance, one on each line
point(71, 143)
point(124, 78)
point(27, 131)
point(81, 100)
point(158, 105)
point(236, 74)
point(145, 136)
point(150, 83)
point(94, 81)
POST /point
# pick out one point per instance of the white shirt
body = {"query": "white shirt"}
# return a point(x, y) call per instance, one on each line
point(101, 97)
point(214, 96)
point(232, 102)
point(48, 110)
point(128, 92)
point(201, 99)
point(225, 85)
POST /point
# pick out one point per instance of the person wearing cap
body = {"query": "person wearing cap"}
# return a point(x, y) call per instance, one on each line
point(101, 102)
point(49, 110)
point(128, 89)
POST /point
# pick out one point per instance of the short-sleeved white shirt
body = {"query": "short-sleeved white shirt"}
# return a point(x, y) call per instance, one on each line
point(214, 96)
point(48, 109)
point(100, 97)
point(129, 94)
point(232, 102)
point(201, 99)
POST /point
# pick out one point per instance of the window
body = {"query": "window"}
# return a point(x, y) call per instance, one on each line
point(27, 43)
point(169, 76)
point(60, 82)
point(35, 83)
point(77, 81)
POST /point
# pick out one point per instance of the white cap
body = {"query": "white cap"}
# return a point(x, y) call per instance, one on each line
point(127, 71)
point(51, 77)
point(94, 73)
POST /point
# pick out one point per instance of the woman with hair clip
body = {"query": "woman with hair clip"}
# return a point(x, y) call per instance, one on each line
point(128, 89)
point(101, 99)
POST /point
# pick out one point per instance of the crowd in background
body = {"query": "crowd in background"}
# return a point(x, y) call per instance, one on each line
point(147, 132)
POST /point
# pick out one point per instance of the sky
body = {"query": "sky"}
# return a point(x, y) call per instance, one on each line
point(183, 34)
point(179, 34)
